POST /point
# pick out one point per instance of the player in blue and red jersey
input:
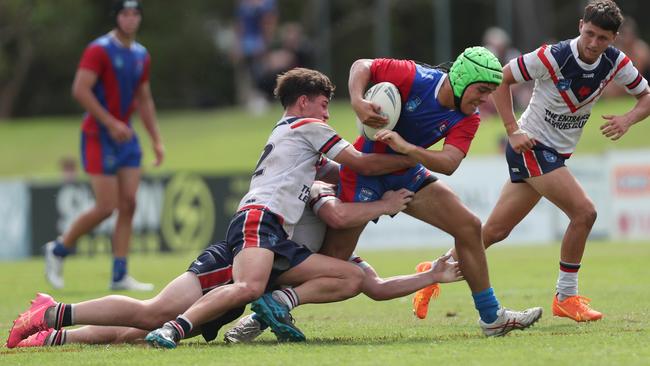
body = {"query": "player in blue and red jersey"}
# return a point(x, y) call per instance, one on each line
point(112, 80)
point(435, 105)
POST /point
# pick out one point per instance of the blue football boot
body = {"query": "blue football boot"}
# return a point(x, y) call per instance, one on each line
point(277, 316)
point(165, 337)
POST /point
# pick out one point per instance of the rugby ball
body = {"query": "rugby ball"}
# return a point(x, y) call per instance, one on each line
point(387, 97)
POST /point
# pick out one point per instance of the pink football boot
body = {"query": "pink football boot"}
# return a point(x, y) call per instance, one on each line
point(36, 340)
point(31, 321)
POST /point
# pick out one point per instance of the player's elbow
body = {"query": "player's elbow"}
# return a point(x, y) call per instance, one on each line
point(75, 91)
point(449, 170)
point(450, 167)
point(360, 64)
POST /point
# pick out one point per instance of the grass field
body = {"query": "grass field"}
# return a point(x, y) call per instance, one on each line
point(363, 332)
point(229, 140)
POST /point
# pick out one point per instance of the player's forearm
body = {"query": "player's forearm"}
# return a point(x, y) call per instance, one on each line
point(339, 215)
point(89, 102)
point(437, 161)
point(147, 110)
point(380, 164)
point(502, 98)
point(378, 288)
point(641, 110)
point(359, 79)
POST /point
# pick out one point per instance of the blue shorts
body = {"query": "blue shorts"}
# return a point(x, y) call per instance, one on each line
point(361, 188)
point(100, 154)
point(256, 227)
point(533, 163)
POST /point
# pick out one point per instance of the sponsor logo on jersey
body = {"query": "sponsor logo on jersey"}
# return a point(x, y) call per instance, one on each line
point(588, 76)
point(413, 103)
point(549, 156)
point(564, 84)
point(584, 91)
point(304, 193)
point(564, 121)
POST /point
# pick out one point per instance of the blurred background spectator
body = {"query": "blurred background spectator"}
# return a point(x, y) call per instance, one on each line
point(255, 29)
point(292, 50)
point(498, 41)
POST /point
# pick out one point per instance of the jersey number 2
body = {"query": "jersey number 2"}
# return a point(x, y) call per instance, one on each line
point(265, 154)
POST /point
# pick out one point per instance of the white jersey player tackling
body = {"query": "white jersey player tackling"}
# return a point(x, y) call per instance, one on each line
point(325, 209)
point(569, 78)
point(259, 233)
point(257, 252)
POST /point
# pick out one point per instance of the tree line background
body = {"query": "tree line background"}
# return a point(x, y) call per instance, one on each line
point(41, 41)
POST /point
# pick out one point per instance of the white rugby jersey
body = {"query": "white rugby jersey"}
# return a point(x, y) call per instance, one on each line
point(285, 172)
point(310, 230)
point(566, 89)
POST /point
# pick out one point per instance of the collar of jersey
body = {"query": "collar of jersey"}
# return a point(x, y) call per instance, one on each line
point(585, 66)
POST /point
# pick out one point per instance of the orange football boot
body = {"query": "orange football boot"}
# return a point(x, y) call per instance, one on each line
point(576, 308)
point(422, 297)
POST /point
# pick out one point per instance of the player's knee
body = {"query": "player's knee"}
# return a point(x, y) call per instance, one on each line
point(353, 282)
point(127, 205)
point(156, 315)
point(586, 215)
point(105, 210)
point(249, 291)
point(494, 234)
point(470, 226)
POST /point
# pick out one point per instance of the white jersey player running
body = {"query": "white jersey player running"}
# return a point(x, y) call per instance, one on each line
point(569, 78)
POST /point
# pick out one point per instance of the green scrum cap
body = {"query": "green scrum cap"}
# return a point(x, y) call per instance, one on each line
point(474, 65)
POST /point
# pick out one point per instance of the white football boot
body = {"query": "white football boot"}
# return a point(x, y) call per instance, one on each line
point(53, 266)
point(508, 320)
point(246, 330)
point(130, 283)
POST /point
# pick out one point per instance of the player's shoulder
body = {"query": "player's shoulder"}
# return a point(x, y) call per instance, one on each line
point(309, 123)
point(560, 51)
point(102, 41)
point(138, 48)
point(613, 55)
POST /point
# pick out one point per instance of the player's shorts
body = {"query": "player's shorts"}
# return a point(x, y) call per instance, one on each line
point(100, 154)
point(533, 163)
point(257, 227)
point(360, 188)
point(213, 266)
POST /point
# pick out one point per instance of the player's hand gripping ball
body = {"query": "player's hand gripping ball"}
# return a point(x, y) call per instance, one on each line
point(387, 97)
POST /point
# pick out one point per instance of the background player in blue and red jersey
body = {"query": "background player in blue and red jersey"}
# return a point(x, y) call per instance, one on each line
point(112, 80)
point(435, 105)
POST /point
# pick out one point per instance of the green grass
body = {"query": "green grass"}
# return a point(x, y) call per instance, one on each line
point(229, 140)
point(363, 332)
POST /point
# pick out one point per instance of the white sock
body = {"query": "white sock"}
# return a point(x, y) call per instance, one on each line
point(567, 280)
point(287, 296)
